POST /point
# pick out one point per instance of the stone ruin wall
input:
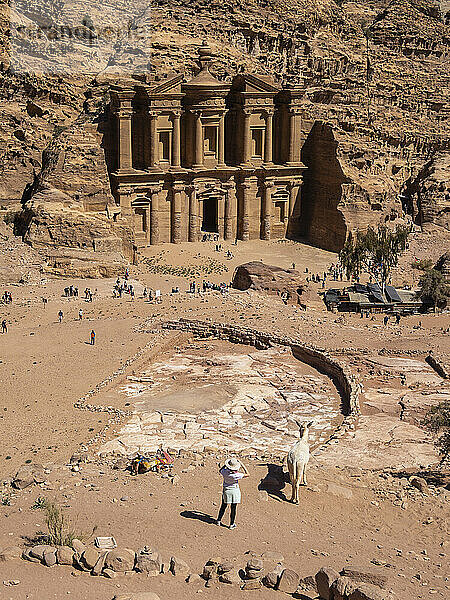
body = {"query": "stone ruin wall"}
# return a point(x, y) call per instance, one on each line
point(384, 103)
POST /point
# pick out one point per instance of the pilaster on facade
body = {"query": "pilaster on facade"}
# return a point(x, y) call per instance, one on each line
point(177, 191)
point(267, 210)
point(193, 224)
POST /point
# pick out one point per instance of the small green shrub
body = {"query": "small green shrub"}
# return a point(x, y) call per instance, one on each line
point(40, 503)
point(60, 530)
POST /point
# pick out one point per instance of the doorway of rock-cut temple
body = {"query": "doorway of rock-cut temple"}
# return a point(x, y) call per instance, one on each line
point(210, 210)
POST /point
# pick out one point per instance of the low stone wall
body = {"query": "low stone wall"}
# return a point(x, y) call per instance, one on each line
point(250, 571)
point(345, 382)
point(149, 353)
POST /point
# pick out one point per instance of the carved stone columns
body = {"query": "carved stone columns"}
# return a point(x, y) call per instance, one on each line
point(177, 190)
point(245, 217)
point(198, 158)
point(124, 114)
point(230, 216)
point(154, 158)
point(247, 151)
point(267, 211)
point(176, 141)
point(154, 215)
point(294, 136)
point(268, 142)
point(221, 153)
point(194, 229)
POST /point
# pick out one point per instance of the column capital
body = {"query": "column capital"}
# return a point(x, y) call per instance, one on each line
point(245, 185)
point(124, 112)
point(267, 183)
point(155, 189)
point(228, 185)
point(269, 112)
point(247, 112)
point(295, 111)
point(152, 113)
point(178, 186)
point(175, 114)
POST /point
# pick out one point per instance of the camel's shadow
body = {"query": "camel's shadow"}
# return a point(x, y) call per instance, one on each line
point(274, 482)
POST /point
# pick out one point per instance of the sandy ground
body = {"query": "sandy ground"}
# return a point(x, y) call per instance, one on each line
point(46, 366)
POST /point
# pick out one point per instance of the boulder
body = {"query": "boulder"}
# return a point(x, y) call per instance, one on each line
point(210, 570)
point(78, 546)
point(90, 557)
point(99, 565)
point(149, 561)
point(27, 556)
point(231, 577)
point(224, 567)
point(324, 579)
point(372, 576)
point(64, 555)
point(367, 591)
point(270, 279)
point(120, 560)
point(252, 584)
point(194, 578)
point(49, 558)
point(419, 483)
point(25, 476)
point(109, 573)
point(253, 568)
point(270, 580)
point(289, 581)
point(179, 567)
point(342, 587)
point(10, 553)
point(40, 550)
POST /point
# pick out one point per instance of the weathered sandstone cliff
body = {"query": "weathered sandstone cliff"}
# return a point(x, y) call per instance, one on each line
point(375, 74)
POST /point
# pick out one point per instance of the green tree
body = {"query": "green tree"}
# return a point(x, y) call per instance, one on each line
point(375, 251)
point(433, 289)
point(437, 420)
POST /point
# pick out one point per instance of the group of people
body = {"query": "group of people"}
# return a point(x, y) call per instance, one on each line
point(336, 271)
point(88, 295)
point(71, 291)
point(7, 297)
point(123, 288)
point(386, 319)
point(210, 237)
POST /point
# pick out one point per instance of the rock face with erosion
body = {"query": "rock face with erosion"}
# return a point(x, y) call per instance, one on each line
point(374, 81)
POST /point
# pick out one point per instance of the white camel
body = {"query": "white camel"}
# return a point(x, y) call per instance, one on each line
point(297, 459)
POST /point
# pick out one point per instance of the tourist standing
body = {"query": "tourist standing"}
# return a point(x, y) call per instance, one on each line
point(92, 337)
point(231, 493)
point(4, 326)
point(60, 315)
point(80, 314)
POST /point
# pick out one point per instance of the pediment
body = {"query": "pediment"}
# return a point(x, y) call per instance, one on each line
point(170, 85)
point(255, 83)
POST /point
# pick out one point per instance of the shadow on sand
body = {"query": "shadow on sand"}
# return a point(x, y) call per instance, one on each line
point(274, 482)
point(198, 515)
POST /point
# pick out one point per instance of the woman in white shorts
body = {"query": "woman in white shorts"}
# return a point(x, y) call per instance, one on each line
point(231, 493)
